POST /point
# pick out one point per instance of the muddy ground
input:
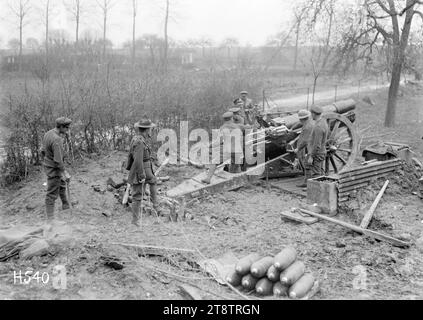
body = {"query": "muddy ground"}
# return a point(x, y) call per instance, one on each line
point(243, 221)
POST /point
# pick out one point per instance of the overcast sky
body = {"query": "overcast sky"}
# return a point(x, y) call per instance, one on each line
point(251, 21)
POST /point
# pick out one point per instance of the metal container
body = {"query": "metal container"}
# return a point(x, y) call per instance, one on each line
point(323, 192)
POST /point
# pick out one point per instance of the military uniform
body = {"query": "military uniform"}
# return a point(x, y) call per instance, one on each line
point(53, 153)
point(317, 146)
point(303, 142)
point(141, 172)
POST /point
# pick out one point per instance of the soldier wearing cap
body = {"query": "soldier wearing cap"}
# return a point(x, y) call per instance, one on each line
point(246, 106)
point(237, 118)
point(52, 151)
point(317, 144)
point(303, 141)
point(233, 138)
point(139, 165)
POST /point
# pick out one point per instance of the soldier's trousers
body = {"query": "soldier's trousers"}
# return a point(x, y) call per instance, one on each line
point(317, 167)
point(55, 188)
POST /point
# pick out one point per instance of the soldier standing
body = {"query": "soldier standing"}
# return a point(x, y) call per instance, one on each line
point(317, 144)
point(303, 141)
point(53, 161)
point(237, 118)
point(232, 131)
point(140, 169)
point(247, 107)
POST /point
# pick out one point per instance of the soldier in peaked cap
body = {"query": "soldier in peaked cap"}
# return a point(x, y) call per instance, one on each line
point(139, 165)
point(238, 119)
point(230, 136)
point(317, 145)
point(303, 141)
point(52, 151)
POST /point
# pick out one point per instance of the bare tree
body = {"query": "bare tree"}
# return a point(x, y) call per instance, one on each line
point(105, 6)
point(20, 9)
point(230, 43)
point(134, 21)
point(166, 36)
point(77, 9)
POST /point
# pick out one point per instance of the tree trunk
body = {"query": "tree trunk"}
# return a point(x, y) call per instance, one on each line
point(393, 93)
point(166, 44)
point(297, 38)
point(314, 88)
point(134, 32)
point(47, 31)
point(400, 45)
point(77, 23)
point(104, 33)
point(20, 41)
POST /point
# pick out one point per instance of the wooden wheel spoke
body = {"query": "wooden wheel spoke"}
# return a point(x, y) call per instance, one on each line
point(340, 133)
point(344, 141)
point(332, 161)
point(335, 129)
point(340, 159)
point(345, 150)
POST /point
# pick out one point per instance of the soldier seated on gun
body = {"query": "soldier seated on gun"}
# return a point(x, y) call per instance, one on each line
point(237, 118)
point(232, 137)
point(57, 177)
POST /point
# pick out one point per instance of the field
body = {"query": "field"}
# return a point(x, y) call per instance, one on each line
point(242, 222)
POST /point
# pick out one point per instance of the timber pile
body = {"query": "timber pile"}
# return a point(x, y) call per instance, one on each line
point(282, 275)
point(359, 177)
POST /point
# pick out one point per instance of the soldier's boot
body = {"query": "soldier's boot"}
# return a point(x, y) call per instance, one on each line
point(64, 198)
point(136, 213)
point(237, 168)
point(50, 212)
point(210, 174)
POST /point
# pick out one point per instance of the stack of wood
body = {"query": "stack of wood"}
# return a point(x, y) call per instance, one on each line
point(356, 178)
point(281, 275)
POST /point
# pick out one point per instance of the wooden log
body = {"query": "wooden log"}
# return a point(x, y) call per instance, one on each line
point(371, 165)
point(350, 185)
point(367, 168)
point(142, 247)
point(369, 214)
point(367, 232)
point(352, 188)
point(365, 175)
point(298, 217)
point(164, 164)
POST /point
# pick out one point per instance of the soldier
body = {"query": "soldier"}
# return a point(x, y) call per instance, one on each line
point(317, 144)
point(247, 107)
point(237, 118)
point(140, 169)
point(228, 130)
point(303, 141)
point(57, 177)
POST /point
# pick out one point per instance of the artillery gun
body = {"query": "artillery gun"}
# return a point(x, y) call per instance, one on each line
point(282, 133)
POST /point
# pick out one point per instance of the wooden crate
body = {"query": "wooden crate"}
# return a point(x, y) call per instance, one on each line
point(323, 192)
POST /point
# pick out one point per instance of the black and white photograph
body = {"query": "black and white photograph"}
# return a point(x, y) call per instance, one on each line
point(214, 156)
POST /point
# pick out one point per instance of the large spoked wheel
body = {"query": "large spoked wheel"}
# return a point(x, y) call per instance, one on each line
point(342, 144)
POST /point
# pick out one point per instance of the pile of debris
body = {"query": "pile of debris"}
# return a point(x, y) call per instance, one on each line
point(27, 242)
point(282, 275)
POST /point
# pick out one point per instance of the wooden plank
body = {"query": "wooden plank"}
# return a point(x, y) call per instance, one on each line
point(298, 217)
point(363, 180)
point(367, 232)
point(369, 214)
point(352, 188)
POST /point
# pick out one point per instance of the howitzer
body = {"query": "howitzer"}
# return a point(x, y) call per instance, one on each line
point(282, 132)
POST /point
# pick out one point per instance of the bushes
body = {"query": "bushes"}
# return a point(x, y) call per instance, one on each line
point(105, 101)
